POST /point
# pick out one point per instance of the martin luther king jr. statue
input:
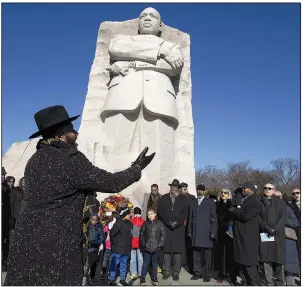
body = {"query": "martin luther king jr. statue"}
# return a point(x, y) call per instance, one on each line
point(142, 70)
point(140, 107)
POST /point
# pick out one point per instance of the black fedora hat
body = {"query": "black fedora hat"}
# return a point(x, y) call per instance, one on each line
point(50, 118)
point(174, 183)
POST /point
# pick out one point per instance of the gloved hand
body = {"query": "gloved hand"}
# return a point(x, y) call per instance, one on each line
point(174, 224)
point(232, 209)
point(212, 237)
point(143, 161)
point(270, 231)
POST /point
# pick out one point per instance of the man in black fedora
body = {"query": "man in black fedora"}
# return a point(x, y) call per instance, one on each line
point(172, 211)
point(46, 242)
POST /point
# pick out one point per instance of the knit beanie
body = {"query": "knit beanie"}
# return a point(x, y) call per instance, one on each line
point(93, 214)
point(124, 211)
point(137, 210)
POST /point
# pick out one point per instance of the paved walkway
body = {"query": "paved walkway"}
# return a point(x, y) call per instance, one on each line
point(184, 279)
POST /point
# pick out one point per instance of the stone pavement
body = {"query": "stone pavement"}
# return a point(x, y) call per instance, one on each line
point(184, 279)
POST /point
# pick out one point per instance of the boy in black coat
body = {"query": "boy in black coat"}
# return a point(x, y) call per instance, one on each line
point(152, 236)
point(121, 239)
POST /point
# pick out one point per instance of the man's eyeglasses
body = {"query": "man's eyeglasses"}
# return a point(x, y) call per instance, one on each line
point(224, 192)
point(268, 188)
point(296, 193)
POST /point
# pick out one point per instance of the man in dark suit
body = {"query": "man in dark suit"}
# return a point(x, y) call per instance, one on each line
point(273, 221)
point(202, 230)
point(172, 211)
point(246, 232)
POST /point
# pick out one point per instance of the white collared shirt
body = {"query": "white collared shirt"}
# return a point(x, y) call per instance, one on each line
point(200, 199)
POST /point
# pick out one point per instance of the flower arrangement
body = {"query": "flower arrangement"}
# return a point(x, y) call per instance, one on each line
point(113, 203)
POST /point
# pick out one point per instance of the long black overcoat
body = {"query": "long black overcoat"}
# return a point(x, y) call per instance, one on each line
point(292, 262)
point(174, 239)
point(224, 243)
point(297, 213)
point(274, 216)
point(46, 242)
point(16, 198)
point(202, 222)
point(6, 211)
point(246, 236)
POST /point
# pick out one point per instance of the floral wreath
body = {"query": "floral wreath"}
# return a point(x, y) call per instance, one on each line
point(113, 203)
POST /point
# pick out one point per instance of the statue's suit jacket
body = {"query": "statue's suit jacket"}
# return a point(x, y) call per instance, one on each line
point(149, 82)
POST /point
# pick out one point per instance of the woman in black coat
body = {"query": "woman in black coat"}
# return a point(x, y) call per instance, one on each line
point(46, 242)
point(292, 263)
point(224, 244)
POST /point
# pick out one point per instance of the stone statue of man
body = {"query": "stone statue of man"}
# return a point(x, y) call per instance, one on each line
point(140, 106)
point(142, 68)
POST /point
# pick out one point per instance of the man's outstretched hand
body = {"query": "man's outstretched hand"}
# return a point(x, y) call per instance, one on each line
point(143, 160)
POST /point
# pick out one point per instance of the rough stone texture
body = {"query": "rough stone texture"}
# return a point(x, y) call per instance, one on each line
point(91, 137)
point(91, 130)
point(16, 158)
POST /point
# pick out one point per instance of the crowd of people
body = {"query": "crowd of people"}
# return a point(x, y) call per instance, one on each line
point(237, 234)
point(12, 197)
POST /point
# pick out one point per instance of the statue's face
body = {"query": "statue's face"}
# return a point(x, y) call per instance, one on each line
point(149, 22)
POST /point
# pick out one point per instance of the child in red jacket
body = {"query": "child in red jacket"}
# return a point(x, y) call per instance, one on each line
point(136, 260)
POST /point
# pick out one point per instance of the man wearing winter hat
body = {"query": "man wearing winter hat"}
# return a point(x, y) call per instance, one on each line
point(58, 177)
point(246, 234)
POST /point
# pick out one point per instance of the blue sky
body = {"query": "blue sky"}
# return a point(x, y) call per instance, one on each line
point(245, 71)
